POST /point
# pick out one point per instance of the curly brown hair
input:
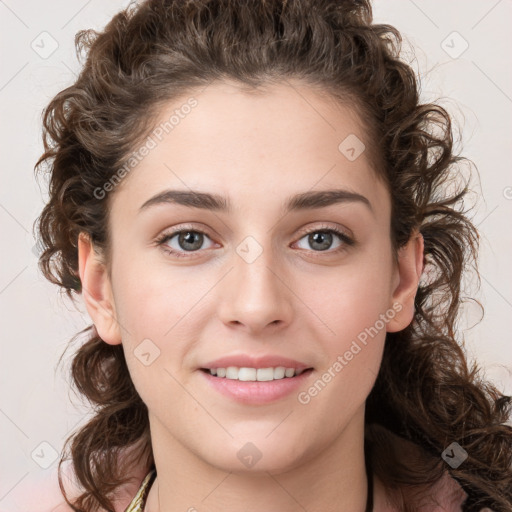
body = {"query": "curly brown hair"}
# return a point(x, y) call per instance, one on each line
point(147, 55)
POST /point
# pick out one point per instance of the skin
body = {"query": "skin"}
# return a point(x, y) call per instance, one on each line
point(294, 300)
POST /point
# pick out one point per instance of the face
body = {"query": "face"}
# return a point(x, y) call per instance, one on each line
point(311, 286)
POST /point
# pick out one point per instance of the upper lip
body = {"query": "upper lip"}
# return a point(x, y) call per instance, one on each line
point(246, 361)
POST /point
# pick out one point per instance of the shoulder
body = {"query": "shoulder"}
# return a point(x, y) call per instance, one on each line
point(446, 495)
point(40, 492)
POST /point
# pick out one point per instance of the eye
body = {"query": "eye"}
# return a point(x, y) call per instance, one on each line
point(321, 239)
point(182, 241)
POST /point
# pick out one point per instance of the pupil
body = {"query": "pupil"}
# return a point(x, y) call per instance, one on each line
point(188, 238)
point(319, 236)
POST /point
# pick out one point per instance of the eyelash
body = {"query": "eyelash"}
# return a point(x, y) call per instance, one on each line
point(347, 241)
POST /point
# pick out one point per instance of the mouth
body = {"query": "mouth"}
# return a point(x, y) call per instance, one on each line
point(256, 386)
point(247, 374)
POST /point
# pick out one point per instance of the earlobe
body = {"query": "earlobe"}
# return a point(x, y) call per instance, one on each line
point(410, 268)
point(97, 291)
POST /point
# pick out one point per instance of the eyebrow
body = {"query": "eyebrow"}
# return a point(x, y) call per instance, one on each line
point(303, 201)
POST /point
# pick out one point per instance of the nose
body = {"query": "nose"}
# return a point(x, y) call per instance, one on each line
point(256, 294)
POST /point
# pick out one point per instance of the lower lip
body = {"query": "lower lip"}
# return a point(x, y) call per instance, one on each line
point(254, 392)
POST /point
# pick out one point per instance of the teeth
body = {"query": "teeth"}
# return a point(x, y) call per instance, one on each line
point(255, 374)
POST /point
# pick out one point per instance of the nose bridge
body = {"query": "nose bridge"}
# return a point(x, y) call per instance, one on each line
point(253, 295)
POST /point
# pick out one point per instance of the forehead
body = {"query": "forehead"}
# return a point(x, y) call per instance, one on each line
point(279, 140)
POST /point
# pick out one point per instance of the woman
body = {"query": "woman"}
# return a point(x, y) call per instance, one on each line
point(255, 208)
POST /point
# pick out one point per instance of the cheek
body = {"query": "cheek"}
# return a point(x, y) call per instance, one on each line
point(350, 298)
point(151, 300)
point(354, 307)
point(150, 312)
point(352, 334)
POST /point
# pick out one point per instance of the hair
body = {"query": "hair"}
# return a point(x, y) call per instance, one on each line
point(426, 392)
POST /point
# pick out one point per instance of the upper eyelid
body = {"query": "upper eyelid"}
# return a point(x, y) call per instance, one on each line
point(189, 227)
point(350, 239)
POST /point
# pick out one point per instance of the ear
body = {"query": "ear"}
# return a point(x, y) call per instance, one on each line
point(97, 291)
point(406, 279)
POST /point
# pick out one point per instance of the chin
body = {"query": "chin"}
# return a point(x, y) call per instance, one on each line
point(257, 456)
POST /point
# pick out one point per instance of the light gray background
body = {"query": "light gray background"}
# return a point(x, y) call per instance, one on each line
point(36, 324)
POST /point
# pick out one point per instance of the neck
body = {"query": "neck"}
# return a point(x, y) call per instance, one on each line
point(326, 479)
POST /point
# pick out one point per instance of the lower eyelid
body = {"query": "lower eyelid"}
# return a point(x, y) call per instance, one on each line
point(345, 239)
point(164, 239)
